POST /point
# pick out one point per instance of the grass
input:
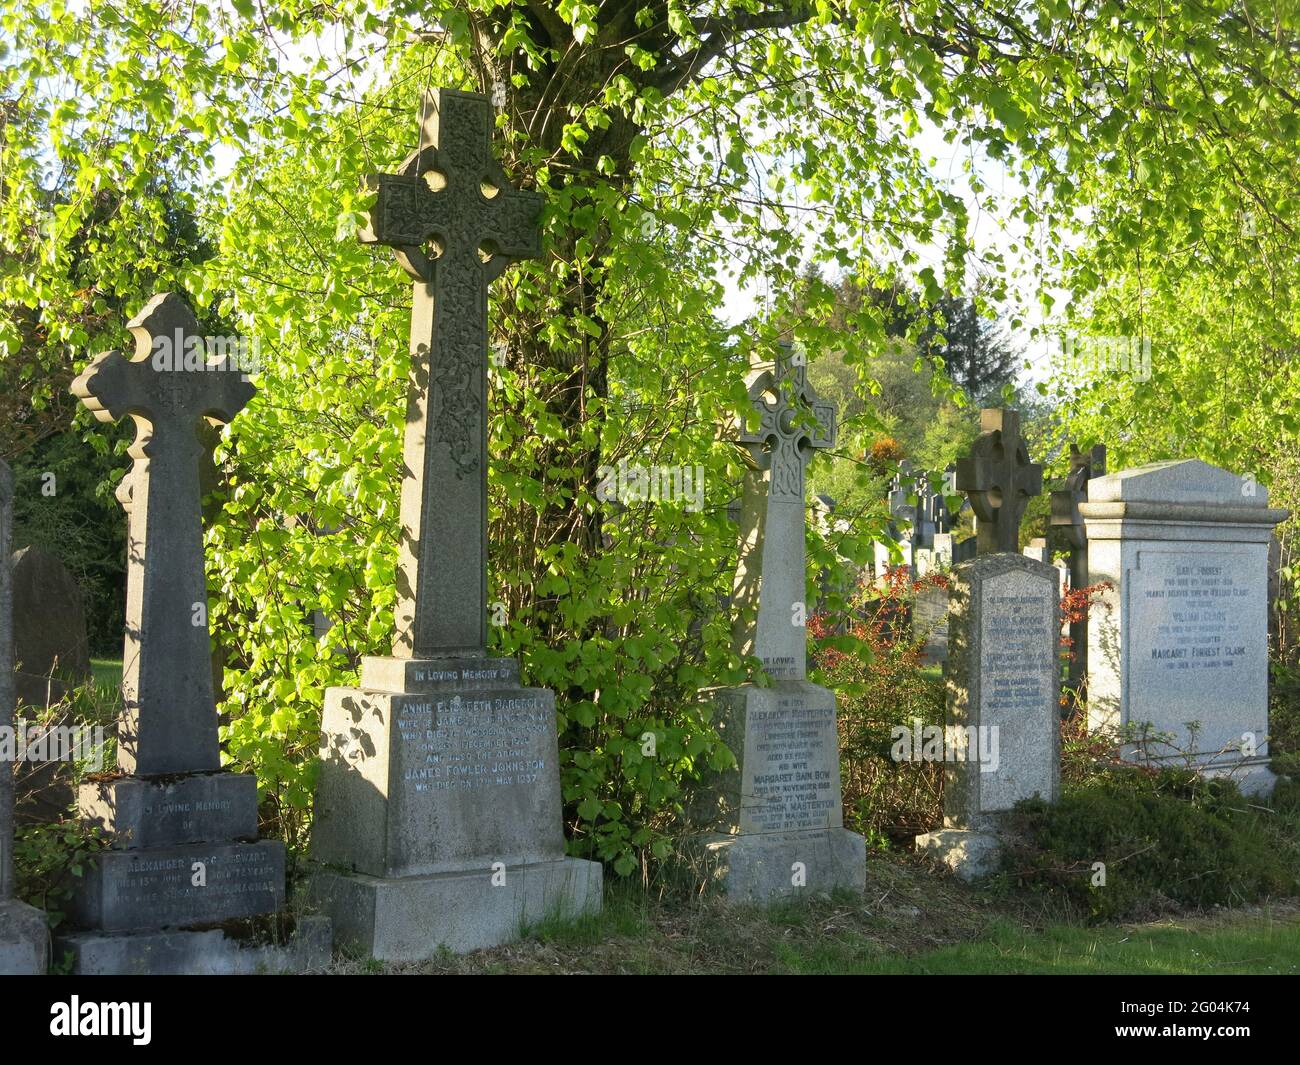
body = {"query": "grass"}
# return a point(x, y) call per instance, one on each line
point(911, 922)
point(107, 672)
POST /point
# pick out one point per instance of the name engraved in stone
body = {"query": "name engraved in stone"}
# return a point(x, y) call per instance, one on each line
point(1197, 629)
point(1017, 658)
point(791, 784)
point(166, 884)
point(465, 743)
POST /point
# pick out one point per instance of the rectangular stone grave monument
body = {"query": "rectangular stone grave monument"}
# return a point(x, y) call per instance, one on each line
point(437, 817)
point(1181, 636)
point(930, 621)
point(774, 825)
point(24, 937)
point(1003, 686)
point(183, 854)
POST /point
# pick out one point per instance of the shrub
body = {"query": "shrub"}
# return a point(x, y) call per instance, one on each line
point(1164, 839)
point(882, 685)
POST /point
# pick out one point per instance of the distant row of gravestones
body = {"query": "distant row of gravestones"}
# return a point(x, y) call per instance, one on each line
point(437, 815)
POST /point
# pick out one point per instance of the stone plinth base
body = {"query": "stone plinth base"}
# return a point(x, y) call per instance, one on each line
point(24, 939)
point(413, 918)
point(971, 855)
point(192, 885)
point(137, 813)
point(207, 952)
point(762, 867)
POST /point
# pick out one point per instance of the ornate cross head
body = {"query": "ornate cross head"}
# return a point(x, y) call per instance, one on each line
point(169, 384)
point(999, 480)
point(450, 199)
point(793, 423)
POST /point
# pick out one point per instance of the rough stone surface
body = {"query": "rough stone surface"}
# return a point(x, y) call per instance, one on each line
point(760, 867)
point(999, 480)
point(169, 723)
point(440, 781)
point(930, 620)
point(206, 952)
point(413, 918)
point(24, 936)
point(971, 855)
point(1182, 633)
point(51, 650)
point(1003, 689)
point(138, 812)
point(140, 890)
point(24, 940)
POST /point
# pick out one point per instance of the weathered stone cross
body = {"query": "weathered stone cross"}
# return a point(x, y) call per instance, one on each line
point(793, 423)
point(1084, 466)
point(999, 480)
point(169, 723)
point(455, 223)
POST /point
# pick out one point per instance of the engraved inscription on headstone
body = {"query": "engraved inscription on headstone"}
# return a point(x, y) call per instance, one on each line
point(1178, 648)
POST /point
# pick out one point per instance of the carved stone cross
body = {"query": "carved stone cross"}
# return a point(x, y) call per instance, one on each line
point(1084, 466)
point(793, 423)
point(455, 224)
point(999, 480)
point(169, 722)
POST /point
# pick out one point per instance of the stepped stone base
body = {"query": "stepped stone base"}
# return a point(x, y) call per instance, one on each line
point(24, 939)
point(129, 890)
point(211, 952)
point(414, 918)
point(762, 867)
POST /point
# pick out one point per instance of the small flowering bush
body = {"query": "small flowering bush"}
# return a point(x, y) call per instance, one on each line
point(882, 685)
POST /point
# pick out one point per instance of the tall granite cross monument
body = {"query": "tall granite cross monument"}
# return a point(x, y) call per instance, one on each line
point(438, 819)
point(24, 937)
point(1002, 677)
point(184, 854)
point(774, 825)
point(999, 480)
point(455, 224)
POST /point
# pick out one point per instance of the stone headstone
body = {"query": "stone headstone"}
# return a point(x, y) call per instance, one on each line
point(1037, 550)
point(438, 817)
point(51, 649)
point(1182, 634)
point(1003, 687)
point(930, 623)
point(1084, 466)
point(999, 480)
point(183, 852)
point(774, 824)
point(24, 937)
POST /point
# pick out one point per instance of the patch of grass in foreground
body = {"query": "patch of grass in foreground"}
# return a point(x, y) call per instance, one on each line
point(1246, 945)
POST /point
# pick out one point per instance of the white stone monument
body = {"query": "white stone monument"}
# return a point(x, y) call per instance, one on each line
point(1179, 645)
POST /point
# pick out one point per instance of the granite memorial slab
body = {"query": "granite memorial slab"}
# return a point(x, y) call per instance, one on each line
point(773, 826)
point(1002, 683)
point(182, 851)
point(1178, 649)
point(438, 817)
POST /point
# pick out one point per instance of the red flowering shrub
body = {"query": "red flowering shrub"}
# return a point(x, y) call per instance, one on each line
point(873, 663)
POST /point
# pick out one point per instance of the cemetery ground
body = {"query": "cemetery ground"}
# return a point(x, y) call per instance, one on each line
point(911, 921)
